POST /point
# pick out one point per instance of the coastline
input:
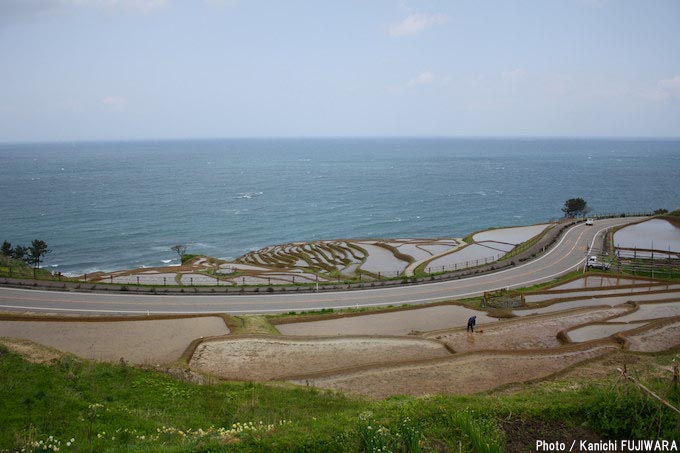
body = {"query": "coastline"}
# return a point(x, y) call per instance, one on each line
point(347, 260)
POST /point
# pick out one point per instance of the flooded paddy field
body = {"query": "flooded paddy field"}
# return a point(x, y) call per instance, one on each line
point(541, 297)
point(653, 311)
point(471, 255)
point(381, 260)
point(654, 234)
point(401, 322)
point(353, 259)
point(598, 281)
point(538, 332)
point(599, 331)
point(514, 236)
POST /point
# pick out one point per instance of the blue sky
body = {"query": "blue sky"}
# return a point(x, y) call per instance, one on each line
point(134, 69)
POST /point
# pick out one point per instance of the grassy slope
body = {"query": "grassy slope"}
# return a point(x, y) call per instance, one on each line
point(21, 269)
point(117, 407)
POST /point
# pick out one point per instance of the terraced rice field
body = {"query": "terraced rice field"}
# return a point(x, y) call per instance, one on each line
point(488, 246)
point(656, 234)
point(655, 338)
point(323, 261)
point(350, 258)
point(416, 351)
point(461, 375)
point(538, 343)
point(402, 322)
point(537, 332)
point(599, 331)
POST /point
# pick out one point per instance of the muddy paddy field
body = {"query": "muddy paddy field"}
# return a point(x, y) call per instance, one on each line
point(141, 342)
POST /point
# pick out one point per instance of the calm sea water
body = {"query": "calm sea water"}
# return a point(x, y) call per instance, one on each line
point(105, 206)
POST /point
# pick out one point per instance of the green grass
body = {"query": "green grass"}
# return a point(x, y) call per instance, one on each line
point(556, 282)
point(526, 245)
point(251, 324)
point(18, 269)
point(123, 408)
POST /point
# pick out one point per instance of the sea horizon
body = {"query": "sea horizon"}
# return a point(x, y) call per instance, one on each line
point(339, 137)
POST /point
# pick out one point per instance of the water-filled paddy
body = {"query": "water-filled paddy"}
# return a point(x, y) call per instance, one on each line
point(380, 259)
point(534, 298)
point(394, 323)
point(653, 311)
point(526, 333)
point(466, 257)
point(597, 281)
point(598, 331)
point(657, 234)
point(515, 235)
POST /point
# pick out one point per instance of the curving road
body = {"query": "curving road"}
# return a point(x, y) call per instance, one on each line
point(565, 256)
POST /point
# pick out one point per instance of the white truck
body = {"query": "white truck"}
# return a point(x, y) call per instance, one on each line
point(594, 263)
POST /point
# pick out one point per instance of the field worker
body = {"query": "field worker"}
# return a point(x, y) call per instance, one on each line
point(471, 324)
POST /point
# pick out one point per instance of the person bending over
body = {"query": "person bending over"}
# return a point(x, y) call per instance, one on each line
point(471, 324)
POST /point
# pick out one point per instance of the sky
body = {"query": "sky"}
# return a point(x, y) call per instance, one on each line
point(75, 70)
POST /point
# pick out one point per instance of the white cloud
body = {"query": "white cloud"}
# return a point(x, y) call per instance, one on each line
point(424, 78)
point(514, 74)
point(417, 23)
point(143, 6)
point(664, 91)
point(654, 94)
point(594, 3)
point(670, 86)
point(12, 10)
point(225, 3)
point(17, 9)
point(114, 102)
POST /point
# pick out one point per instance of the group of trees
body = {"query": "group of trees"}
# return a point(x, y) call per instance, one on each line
point(575, 207)
point(181, 250)
point(32, 255)
point(578, 207)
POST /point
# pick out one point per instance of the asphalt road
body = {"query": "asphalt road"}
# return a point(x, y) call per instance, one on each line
point(570, 252)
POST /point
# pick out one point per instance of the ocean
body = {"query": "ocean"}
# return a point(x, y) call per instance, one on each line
point(115, 205)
